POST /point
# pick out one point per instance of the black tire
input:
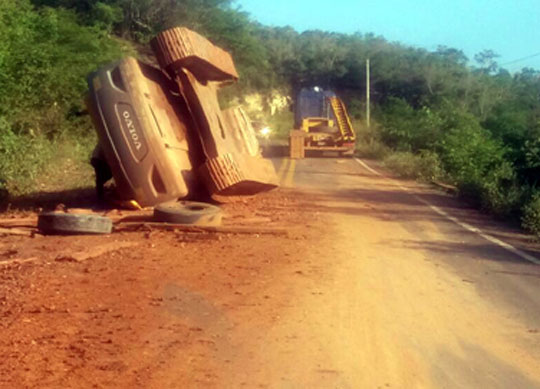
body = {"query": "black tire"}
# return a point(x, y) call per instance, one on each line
point(189, 213)
point(59, 223)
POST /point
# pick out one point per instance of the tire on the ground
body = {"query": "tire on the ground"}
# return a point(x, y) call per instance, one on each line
point(52, 223)
point(188, 213)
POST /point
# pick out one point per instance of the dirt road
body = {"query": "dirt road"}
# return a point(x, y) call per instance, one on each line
point(381, 283)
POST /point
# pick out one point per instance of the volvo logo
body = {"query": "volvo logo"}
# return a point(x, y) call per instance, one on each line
point(132, 130)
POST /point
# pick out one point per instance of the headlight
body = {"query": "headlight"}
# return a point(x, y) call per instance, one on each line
point(265, 132)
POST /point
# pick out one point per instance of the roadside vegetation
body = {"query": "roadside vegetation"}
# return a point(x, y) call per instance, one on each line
point(437, 115)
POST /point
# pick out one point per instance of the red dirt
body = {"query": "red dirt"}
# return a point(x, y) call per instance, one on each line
point(131, 317)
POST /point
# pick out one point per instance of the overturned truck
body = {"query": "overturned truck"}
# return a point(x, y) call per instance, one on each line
point(162, 132)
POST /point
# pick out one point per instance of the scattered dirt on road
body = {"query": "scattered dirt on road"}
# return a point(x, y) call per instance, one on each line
point(371, 288)
point(123, 318)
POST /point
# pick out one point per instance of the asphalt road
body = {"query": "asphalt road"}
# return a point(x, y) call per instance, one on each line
point(420, 290)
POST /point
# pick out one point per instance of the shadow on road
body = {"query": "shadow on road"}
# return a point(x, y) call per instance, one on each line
point(465, 250)
point(451, 369)
point(391, 204)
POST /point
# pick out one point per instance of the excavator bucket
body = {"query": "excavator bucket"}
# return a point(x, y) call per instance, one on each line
point(233, 165)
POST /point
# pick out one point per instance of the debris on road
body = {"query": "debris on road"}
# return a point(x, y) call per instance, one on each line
point(73, 223)
point(18, 222)
point(188, 213)
point(15, 231)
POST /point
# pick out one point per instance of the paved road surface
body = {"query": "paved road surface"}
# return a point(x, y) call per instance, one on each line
point(419, 291)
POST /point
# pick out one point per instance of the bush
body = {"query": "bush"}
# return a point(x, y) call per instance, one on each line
point(429, 166)
point(29, 164)
point(368, 141)
point(281, 123)
point(45, 56)
point(424, 166)
point(477, 165)
point(530, 219)
point(373, 149)
point(407, 129)
point(404, 163)
point(22, 158)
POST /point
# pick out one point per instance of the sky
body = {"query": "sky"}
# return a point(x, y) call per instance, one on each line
point(509, 28)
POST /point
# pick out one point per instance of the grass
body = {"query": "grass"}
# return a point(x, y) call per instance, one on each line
point(70, 168)
point(37, 164)
point(424, 166)
point(368, 143)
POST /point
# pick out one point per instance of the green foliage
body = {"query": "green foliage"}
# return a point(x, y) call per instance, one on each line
point(105, 16)
point(23, 157)
point(430, 166)
point(530, 219)
point(404, 163)
point(45, 55)
point(356, 108)
point(409, 129)
point(425, 166)
point(477, 165)
point(281, 123)
point(368, 141)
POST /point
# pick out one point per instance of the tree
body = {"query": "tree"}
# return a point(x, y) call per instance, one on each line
point(486, 60)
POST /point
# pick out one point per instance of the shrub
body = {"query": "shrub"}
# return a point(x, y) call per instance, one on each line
point(45, 56)
point(281, 123)
point(530, 219)
point(477, 165)
point(424, 166)
point(404, 163)
point(429, 166)
point(407, 129)
point(22, 158)
point(373, 149)
point(368, 141)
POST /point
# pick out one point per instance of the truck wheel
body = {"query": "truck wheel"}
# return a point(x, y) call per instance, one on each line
point(60, 223)
point(189, 213)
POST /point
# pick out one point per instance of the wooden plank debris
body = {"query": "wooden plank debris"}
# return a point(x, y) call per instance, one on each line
point(16, 231)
